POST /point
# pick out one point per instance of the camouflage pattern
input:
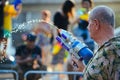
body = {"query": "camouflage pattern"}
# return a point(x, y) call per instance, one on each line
point(105, 65)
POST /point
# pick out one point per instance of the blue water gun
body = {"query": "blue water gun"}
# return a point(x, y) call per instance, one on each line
point(74, 46)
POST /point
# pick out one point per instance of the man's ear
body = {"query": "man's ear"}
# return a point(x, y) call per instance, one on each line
point(96, 24)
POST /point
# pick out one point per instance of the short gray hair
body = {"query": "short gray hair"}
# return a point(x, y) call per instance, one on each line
point(104, 14)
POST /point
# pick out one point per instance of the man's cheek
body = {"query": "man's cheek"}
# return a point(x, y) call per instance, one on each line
point(88, 27)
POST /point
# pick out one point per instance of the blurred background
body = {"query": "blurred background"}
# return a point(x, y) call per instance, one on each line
point(31, 10)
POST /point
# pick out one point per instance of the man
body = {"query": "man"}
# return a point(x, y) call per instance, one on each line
point(28, 56)
point(105, 65)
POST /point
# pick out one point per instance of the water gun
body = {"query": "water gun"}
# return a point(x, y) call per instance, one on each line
point(12, 8)
point(10, 11)
point(16, 3)
point(74, 46)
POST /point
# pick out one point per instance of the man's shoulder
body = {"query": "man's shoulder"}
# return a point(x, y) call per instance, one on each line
point(21, 46)
point(113, 43)
point(115, 40)
point(58, 14)
point(111, 47)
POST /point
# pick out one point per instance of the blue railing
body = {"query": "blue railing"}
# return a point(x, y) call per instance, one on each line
point(46, 72)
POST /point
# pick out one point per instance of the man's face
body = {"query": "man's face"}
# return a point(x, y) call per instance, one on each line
point(86, 4)
point(91, 28)
point(30, 44)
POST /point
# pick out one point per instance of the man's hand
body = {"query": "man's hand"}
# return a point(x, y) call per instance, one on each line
point(79, 65)
point(19, 60)
point(28, 59)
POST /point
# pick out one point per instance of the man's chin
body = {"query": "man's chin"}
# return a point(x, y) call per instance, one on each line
point(30, 47)
point(91, 37)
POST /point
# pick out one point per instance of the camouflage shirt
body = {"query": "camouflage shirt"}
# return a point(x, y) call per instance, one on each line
point(105, 65)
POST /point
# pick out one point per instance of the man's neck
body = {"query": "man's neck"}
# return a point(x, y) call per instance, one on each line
point(101, 39)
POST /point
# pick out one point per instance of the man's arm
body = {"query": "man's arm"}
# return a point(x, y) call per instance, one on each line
point(18, 56)
point(19, 60)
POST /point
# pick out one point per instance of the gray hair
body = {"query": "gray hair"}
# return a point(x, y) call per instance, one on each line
point(104, 14)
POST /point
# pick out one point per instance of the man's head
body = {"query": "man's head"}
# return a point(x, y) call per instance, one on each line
point(87, 4)
point(31, 38)
point(101, 23)
point(46, 14)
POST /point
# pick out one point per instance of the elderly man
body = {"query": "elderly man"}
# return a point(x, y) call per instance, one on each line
point(105, 65)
